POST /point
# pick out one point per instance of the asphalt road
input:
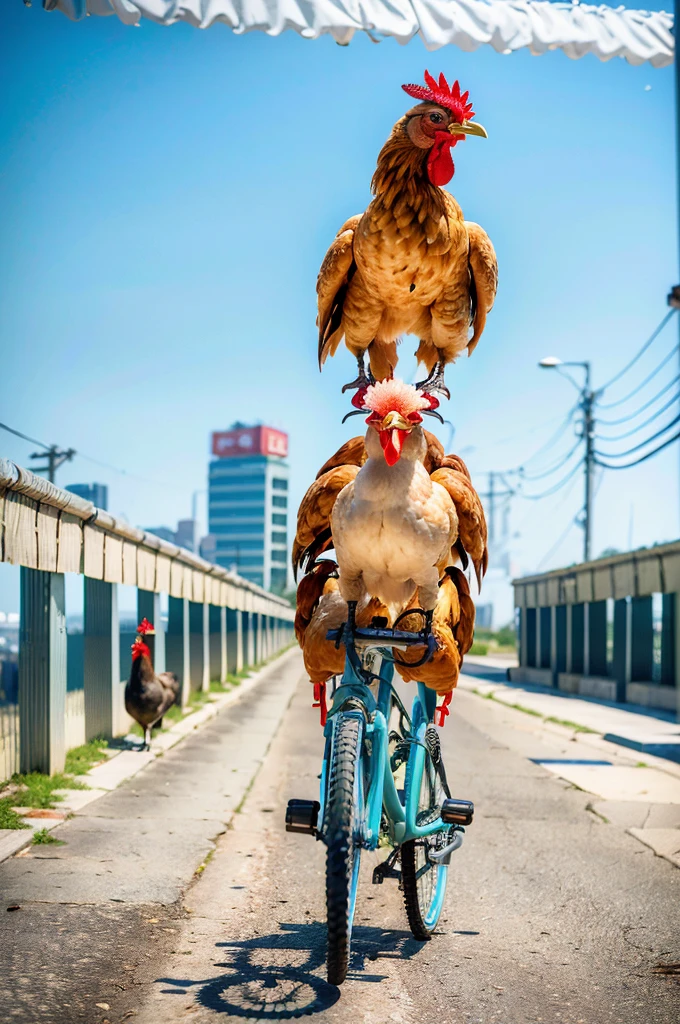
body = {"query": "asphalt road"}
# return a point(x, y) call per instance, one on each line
point(552, 914)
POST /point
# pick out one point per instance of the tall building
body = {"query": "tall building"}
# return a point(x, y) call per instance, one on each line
point(248, 503)
point(186, 533)
point(98, 494)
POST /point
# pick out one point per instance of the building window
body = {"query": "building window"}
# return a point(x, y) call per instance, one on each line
point(234, 513)
point(279, 501)
point(234, 546)
point(279, 520)
point(223, 479)
point(224, 495)
point(280, 485)
point(237, 530)
point(279, 556)
point(278, 538)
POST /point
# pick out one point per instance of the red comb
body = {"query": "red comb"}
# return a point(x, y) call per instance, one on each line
point(145, 627)
point(439, 92)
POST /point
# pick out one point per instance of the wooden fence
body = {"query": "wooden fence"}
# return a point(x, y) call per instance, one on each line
point(217, 621)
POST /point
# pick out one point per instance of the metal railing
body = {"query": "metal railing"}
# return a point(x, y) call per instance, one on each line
point(607, 628)
point(217, 621)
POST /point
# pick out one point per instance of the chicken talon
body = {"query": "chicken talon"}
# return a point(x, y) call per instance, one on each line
point(435, 382)
point(363, 379)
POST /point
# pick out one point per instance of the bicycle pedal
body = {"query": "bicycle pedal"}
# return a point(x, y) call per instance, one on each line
point(302, 815)
point(458, 812)
point(383, 871)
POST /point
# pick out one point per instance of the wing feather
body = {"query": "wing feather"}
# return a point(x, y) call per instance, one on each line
point(484, 278)
point(471, 519)
point(314, 515)
point(336, 272)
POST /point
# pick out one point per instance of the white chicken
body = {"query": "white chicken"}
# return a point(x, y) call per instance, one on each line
point(393, 526)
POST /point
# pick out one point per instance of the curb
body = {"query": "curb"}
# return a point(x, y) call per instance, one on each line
point(125, 764)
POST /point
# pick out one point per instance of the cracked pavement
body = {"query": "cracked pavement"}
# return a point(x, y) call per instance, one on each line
point(553, 915)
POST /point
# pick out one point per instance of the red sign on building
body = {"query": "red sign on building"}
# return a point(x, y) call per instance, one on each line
point(249, 441)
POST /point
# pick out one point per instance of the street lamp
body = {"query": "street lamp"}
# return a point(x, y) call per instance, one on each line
point(587, 402)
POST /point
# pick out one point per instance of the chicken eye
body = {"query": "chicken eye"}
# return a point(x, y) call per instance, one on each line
point(436, 118)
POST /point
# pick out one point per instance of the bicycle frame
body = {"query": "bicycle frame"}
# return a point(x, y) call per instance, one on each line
point(381, 791)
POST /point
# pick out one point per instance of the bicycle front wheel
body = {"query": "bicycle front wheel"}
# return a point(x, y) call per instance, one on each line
point(341, 827)
point(424, 882)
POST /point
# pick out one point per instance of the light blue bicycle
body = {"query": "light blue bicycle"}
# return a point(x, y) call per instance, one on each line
point(383, 784)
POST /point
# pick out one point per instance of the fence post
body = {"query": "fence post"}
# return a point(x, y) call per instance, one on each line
point(149, 607)
point(177, 644)
point(101, 659)
point(239, 640)
point(224, 660)
point(205, 675)
point(215, 643)
point(42, 672)
point(250, 639)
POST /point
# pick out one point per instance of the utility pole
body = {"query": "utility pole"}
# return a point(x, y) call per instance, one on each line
point(54, 458)
point(588, 401)
point(492, 510)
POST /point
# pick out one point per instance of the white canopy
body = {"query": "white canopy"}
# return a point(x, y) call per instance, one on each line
point(506, 25)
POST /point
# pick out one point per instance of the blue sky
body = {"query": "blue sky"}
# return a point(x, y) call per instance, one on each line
point(167, 196)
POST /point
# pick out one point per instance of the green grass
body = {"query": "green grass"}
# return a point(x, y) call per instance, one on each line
point(37, 790)
point(527, 711)
point(81, 759)
point(8, 816)
point(43, 838)
point(569, 725)
point(479, 648)
point(537, 714)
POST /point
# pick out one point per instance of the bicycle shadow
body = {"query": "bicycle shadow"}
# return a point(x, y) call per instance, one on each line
point(273, 977)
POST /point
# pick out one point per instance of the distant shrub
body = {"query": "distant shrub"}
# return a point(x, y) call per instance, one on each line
point(479, 648)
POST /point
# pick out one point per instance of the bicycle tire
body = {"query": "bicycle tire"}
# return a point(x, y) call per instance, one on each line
point(424, 889)
point(343, 854)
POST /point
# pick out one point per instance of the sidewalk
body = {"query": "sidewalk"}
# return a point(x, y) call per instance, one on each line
point(646, 730)
point(105, 899)
point(626, 758)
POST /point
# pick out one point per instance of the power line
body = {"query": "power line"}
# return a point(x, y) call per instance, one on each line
point(25, 437)
point(620, 437)
point(652, 338)
point(555, 468)
point(611, 405)
point(643, 408)
point(558, 486)
point(88, 458)
point(643, 444)
point(636, 462)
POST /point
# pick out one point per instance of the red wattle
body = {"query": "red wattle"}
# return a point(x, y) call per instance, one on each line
point(440, 167)
point(392, 442)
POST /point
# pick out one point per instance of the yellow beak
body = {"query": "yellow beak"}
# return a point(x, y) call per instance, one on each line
point(395, 421)
point(468, 128)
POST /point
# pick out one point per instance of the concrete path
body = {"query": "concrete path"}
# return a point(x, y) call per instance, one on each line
point(93, 908)
point(553, 915)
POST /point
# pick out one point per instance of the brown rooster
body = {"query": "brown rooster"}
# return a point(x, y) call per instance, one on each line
point(147, 695)
point(410, 263)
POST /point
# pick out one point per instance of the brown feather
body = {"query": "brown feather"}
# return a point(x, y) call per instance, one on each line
point(472, 529)
point(351, 453)
point(314, 514)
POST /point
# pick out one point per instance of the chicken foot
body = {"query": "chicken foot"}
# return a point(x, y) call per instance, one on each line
point(435, 381)
point(363, 379)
